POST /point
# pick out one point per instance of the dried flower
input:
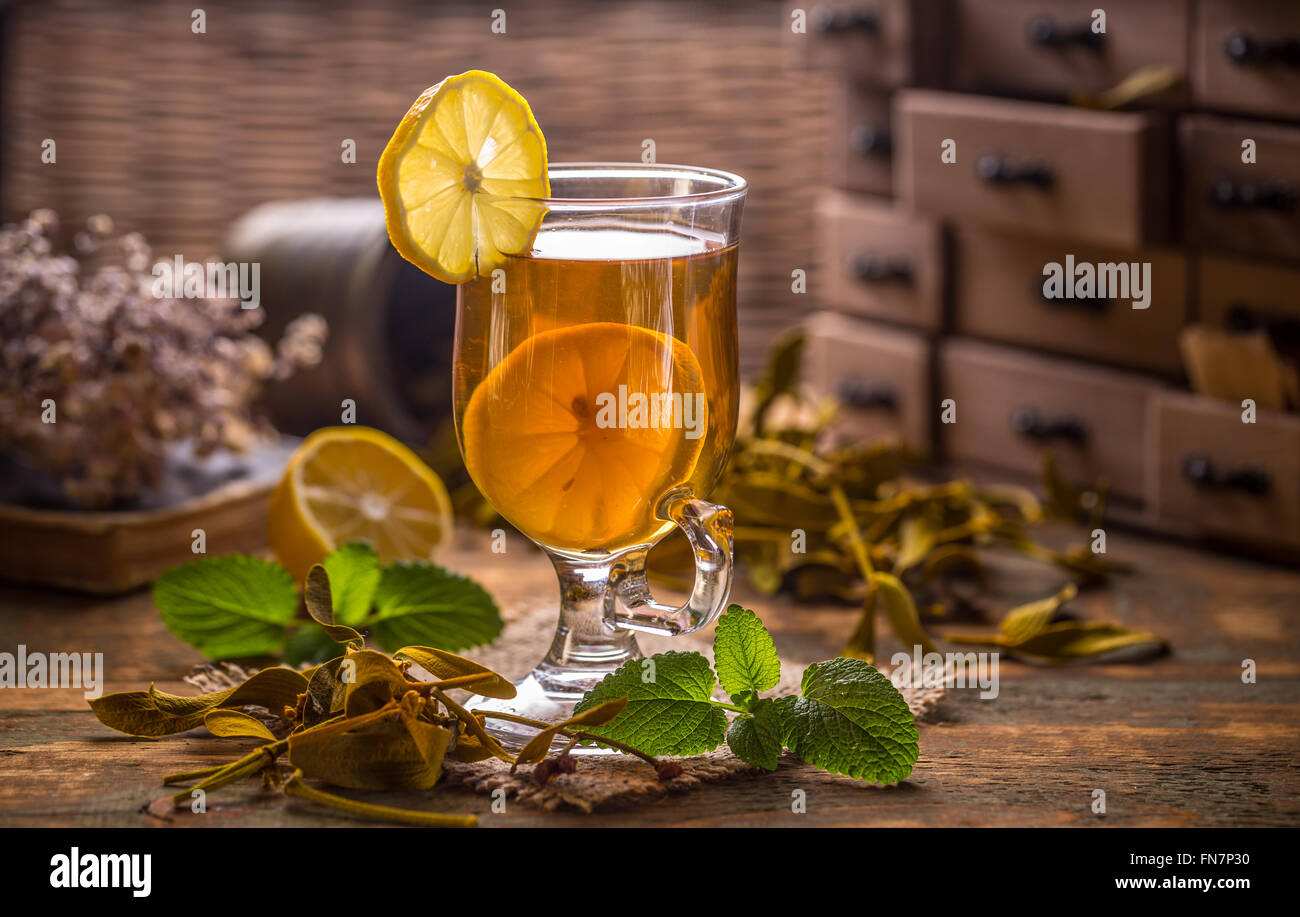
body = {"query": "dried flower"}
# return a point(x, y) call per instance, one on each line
point(98, 375)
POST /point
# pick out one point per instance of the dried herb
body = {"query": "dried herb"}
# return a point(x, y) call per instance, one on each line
point(1041, 632)
point(860, 523)
point(361, 720)
point(236, 606)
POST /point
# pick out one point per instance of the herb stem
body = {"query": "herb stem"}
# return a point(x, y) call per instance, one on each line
point(580, 734)
point(187, 776)
point(512, 717)
point(592, 737)
point(341, 724)
point(471, 722)
point(726, 706)
point(295, 786)
point(246, 766)
point(462, 681)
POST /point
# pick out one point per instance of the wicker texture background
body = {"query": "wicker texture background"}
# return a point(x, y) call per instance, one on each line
point(176, 134)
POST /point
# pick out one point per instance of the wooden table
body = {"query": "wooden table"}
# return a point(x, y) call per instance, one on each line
point(1175, 741)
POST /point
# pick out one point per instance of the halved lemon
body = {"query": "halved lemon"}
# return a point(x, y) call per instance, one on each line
point(461, 177)
point(356, 484)
point(548, 442)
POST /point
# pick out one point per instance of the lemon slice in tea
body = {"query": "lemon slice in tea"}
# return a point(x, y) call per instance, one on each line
point(548, 443)
point(461, 176)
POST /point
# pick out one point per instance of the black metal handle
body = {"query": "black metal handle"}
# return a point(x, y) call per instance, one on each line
point(1278, 196)
point(866, 395)
point(871, 140)
point(1248, 479)
point(875, 269)
point(1027, 422)
point(1283, 331)
point(1097, 305)
point(843, 21)
point(1047, 33)
point(997, 169)
point(1243, 49)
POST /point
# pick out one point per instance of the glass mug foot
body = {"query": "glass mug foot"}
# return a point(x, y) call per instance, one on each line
point(602, 604)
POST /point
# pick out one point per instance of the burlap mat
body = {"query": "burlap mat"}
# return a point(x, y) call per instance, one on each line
point(606, 782)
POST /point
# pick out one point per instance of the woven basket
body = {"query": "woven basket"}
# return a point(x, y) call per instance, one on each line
point(177, 134)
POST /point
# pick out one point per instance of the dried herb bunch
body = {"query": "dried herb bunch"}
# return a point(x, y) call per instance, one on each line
point(127, 372)
point(363, 720)
point(855, 522)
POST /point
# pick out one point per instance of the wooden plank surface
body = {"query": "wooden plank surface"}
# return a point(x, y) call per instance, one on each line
point(1177, 741)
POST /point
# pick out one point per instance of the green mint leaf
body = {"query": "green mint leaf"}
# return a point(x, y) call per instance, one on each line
point(850, 720)
point(669, 709)
point(743, 653)
point(354, 576)
point(228, 606)
point(757, 739)
point(309, 644)
point(422, 604)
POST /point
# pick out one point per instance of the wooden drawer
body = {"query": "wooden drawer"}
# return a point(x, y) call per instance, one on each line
point(1242, 295)
point(1048, 47)
point(998, 292)
point(1214, 475)
point(888, 43)
point(862, 140)
point(878, 262)
point(1044, 169)
point(1012, 405)
point(1234, 206)
point(881, 376)
point(1246, 57)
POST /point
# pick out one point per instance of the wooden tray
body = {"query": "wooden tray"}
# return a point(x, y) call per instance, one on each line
point(116, 551)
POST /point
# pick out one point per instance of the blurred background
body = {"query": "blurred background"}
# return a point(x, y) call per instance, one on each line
point(176, 134)
point(915, 166)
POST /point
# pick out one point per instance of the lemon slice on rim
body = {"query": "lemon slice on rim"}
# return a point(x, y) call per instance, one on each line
point(461, 176)
point(356, 484)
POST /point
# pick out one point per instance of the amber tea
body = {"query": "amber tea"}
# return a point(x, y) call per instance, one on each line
point(595, 375)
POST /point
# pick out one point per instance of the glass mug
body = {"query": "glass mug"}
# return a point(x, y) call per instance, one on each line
point(596, 396)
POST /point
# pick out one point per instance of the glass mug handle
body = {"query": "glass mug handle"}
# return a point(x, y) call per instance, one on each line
point(709, 528)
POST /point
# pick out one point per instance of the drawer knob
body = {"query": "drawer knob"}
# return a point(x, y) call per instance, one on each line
point(1027, 422)
point(999, 170)
point(1241, 48)
point(1094, 304)
point(1284, 332)
point(870, 140)
point(866, 396)
point(1248, 479)
point(1047, 33)
point(1269, 195)
point(873, 269)
point(844, 21)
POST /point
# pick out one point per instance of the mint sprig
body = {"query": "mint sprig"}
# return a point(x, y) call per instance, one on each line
point(236, 606)
point(354, 573)
point(228, 606)
point(420, 604)
point(847, 719)
point(850, 720)
point(670, 707)
point(744, 654)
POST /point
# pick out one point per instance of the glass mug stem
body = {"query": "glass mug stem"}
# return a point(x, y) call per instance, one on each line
point(603, 603)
